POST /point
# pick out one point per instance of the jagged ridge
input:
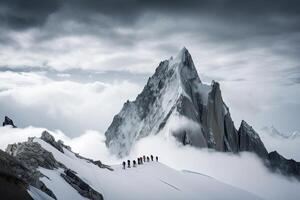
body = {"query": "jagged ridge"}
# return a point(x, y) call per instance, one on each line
point(175, 89)
point(25, 161)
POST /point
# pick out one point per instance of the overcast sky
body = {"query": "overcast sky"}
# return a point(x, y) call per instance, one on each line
point(71, 64)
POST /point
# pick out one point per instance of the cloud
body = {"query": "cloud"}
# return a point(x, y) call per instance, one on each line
point(18, 14)
point(107, 34)
point(245, 171)
point(73, 107)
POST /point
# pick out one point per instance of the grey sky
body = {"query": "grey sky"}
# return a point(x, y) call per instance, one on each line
point(251, 47)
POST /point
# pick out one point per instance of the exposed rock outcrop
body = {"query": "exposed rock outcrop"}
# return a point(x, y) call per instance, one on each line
point(27, 174)
point(12, 187)
point(249, 140)
point(33, 155)
point(95, 162)
point(79, 185)
point(8, 122)
point(288, 167)
point(59, 145)
point(47, 137)
point(24, 159)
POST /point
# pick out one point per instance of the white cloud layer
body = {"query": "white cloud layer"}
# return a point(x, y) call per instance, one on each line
point(73, 107)
point(245, 171)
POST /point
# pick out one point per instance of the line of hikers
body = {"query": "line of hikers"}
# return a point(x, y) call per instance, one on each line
point(140, 161)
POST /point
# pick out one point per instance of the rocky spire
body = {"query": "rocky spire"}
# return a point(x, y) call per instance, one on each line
point(249, 140)
point(8, 122)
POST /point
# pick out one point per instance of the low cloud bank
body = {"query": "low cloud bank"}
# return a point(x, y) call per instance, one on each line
point(71, 106)
point(245, 171)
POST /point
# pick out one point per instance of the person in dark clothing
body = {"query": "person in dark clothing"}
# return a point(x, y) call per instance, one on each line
point(151, 157)
point(141, 160)
point(156, 159)
point(128, 163)
point(134, 163)
point(148, 159)
point(144, 158)
point(124, 164)
point(138, 161)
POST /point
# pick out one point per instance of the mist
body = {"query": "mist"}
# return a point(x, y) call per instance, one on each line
point(245, 171)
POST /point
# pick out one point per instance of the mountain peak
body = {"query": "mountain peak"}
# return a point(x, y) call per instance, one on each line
point(8, 121)
point(183, 58)
point(183, 53)
point(175, 89)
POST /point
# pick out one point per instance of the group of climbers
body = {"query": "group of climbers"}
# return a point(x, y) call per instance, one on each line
point(140, 161)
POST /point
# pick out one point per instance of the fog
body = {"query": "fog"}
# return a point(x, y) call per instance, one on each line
point(245, 171)
point(71, 106)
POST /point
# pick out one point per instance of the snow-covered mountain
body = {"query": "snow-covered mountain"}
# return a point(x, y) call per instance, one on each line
point(48, 169)
point(272, 131)
point(175, 91)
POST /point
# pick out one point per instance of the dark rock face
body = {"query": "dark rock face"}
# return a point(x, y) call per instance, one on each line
point(97, 162)
point(22, 160)
point(79, 185)
point(47, 137)
point(33, 155)
point(249, 140)
point(231, 135)
point(288, 167)
point(12, 187)
point(8, 122)
point(175, 89)
point(28, 175)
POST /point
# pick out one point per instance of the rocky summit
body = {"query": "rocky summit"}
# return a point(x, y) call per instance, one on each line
point(8, 122)
point(176, 91)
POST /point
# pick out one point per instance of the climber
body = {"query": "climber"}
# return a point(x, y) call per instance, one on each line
point(156, 159)
point(148, 159)
point(128, 163)
point(141, 160)
point(144, 157)
point(134, 163)
point(124, 164)
point(151, 158)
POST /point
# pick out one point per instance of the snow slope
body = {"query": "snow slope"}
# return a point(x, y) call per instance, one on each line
point(151, 180)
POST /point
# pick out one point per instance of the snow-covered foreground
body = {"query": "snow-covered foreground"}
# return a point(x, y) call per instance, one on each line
point(151, 180)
